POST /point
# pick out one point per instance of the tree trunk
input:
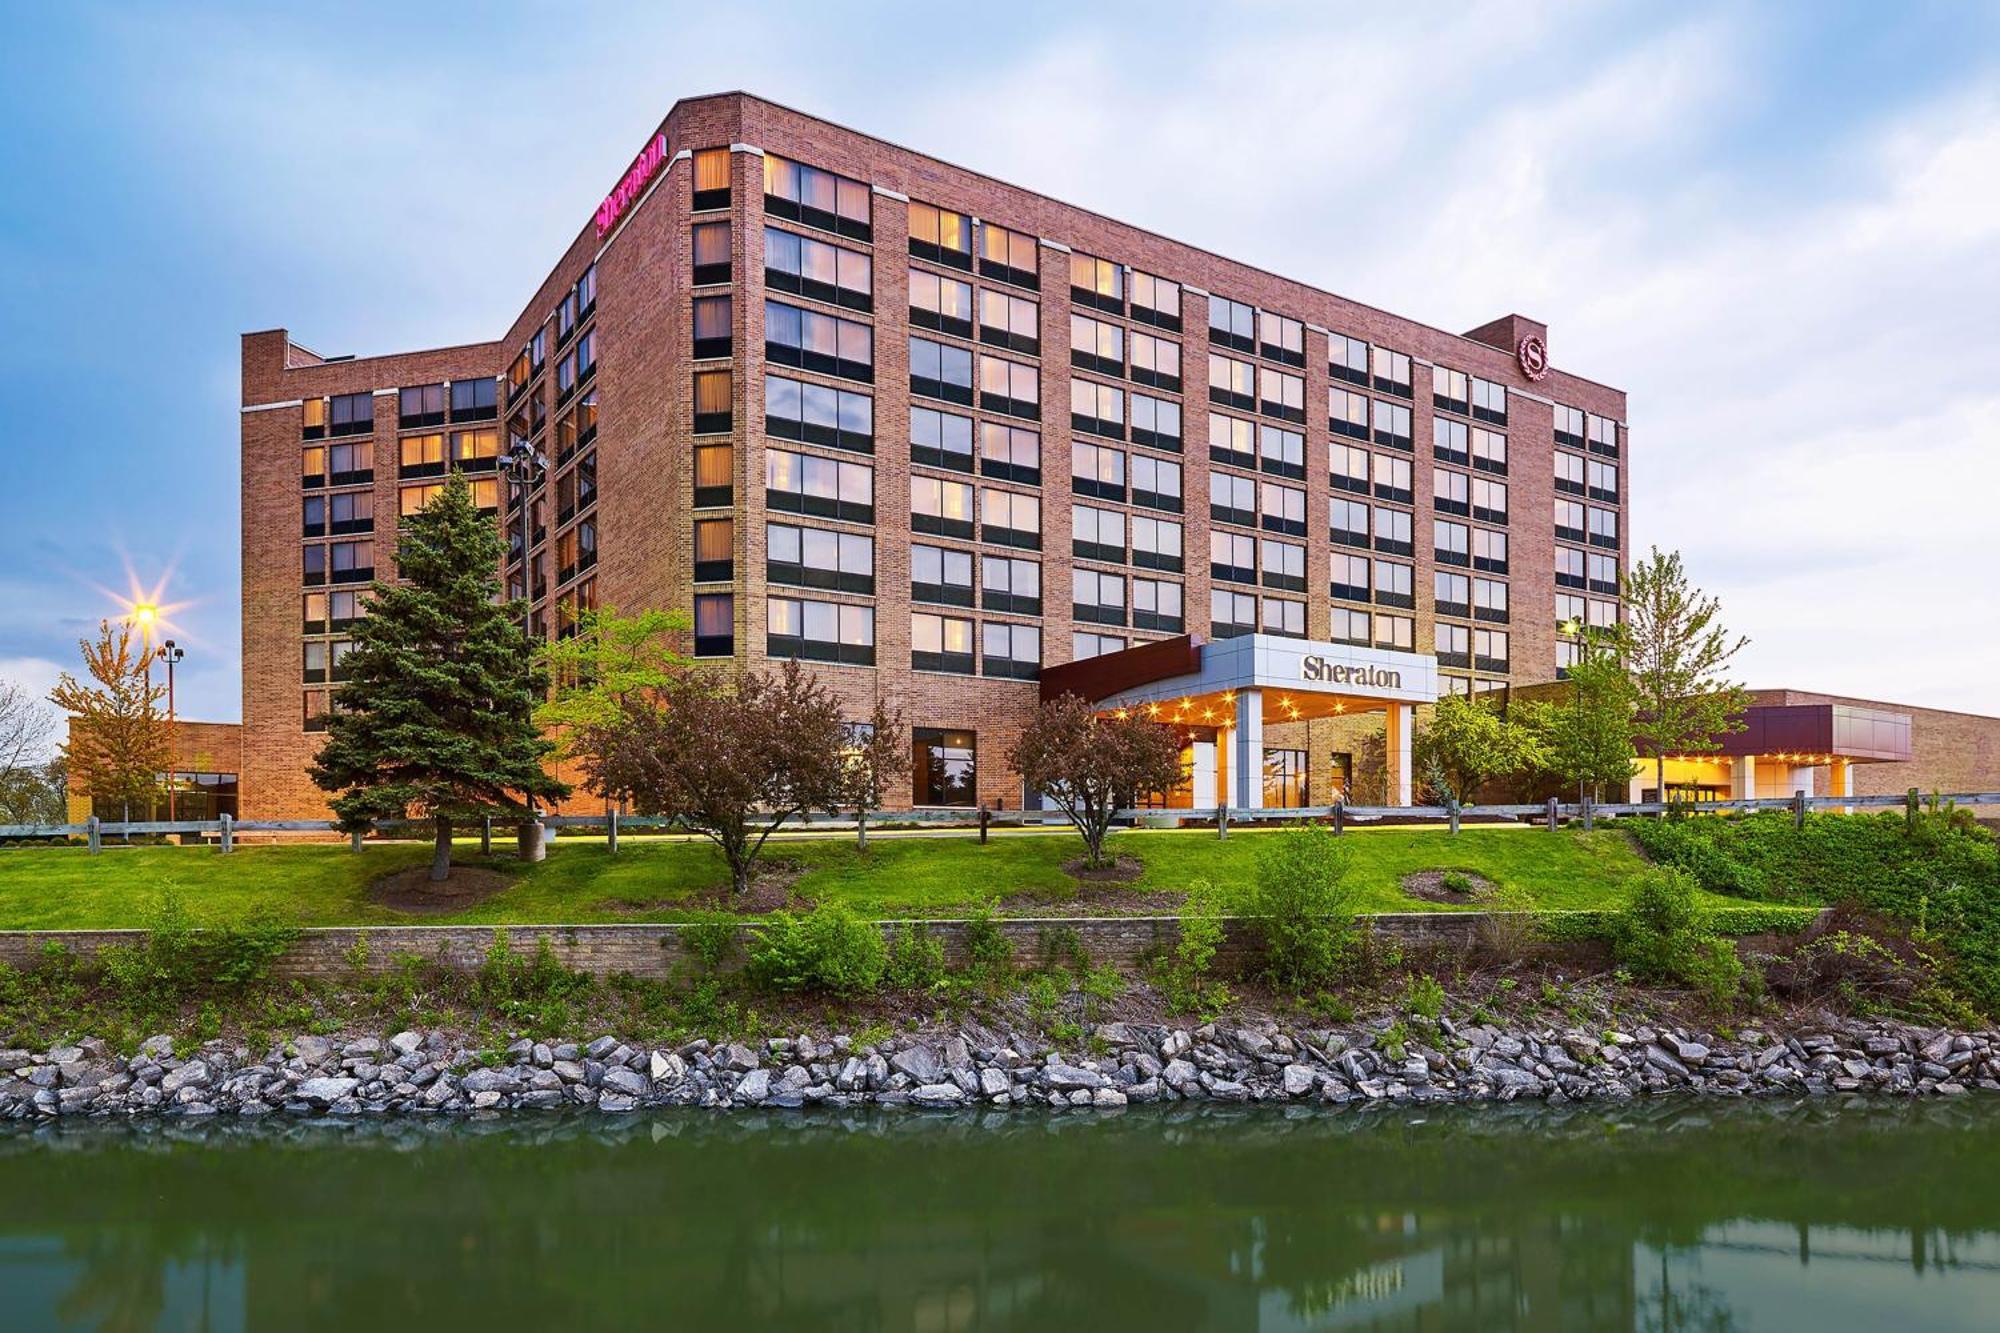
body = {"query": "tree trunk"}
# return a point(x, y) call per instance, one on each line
point(861, 828)
point(1660, 778)
point(441, 849)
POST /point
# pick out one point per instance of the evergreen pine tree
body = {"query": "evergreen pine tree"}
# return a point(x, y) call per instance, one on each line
point(436, 717)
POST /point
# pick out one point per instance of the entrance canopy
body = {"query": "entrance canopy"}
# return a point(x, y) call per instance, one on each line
point(1241, 684)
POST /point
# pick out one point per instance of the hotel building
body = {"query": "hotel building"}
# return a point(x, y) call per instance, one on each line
point(956, 444)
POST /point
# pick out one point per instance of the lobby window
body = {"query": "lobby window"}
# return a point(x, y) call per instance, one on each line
point(1083, 647)
point(420, 405)
point(712, 260)
point(1395, 584)
point(1156, 483)
point(1451, 441)
point(1156, 301)
point(1009, 585)
point(1569, 568)
point(1097, 283)
point(1489, 401)
point(1156, 544)
point(1283, 564)
point(1347, 358)
point(1158, 605)
point(714, 411)
point(1489, 500)
point(1569, 474)
point(1096, 346)
point(1232, 442)
point(1097, 534)
point(940, 303)
point(1489, 601)
point(824, 343)
point(1012, 322)
point(711, 179)
point(817, 198)
point(714, 624)
point(1603, 527)
point(1453, 645)
point(940, 236)
point(1156, 362)
point(940, 439)
point(1603, 436)
point(714, 475)
point(1398, 632)
point(1280, 452)
point(1008, 518)
point(1569, 426)
point(350, 414)
point(819, 631)
point(816, 558)
point(1281, 508)
point(822, 487)
point(1490, 649)
point(1451, 492)
point(1451, 543)
point(714, 550)
point(1011, 652)
point(1489, 550)
point(312, 419)
point(1232, 499)
point(474, 400)
point(1098, 598)
point(1348, 523)
point(1010, 453)
point(1231, 613)
point(1390, 371)
point(1392, 479)
point(942, 508)
point(1489, 451)
point(941, 643)
point(1350, 577)
point(819, 414)
point(1232, 324)
point(1010, 388)
point(420, 456)
point(818, 269)
point(1097, 472)
point(1156, 422)
point(1232, 383)
point(945, 768)
point(1009, 256)
point(1451, 594)
point(939, 370)
point(1392, 531)
point(1603, 481)
point(1450, 391)
point(713, 336)
point(1348, 468)
point(1350, 626)
point(1281, 615)
point(1392, 425)
point(1096, 409)
point(941, 575)
point(1569, 520)
point(1232, 557)
point(1280, 338)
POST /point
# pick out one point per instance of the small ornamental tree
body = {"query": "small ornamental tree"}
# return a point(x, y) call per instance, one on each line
point(877, 755)
point(731, 761)
point(610, 660)
point(437, 713)
point(1466, 742)
point(117, 747)
point(1676, 650)
point(1090, 765)
point(1587, 735)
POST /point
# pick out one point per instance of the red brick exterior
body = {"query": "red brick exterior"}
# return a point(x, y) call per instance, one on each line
point(1950, 752)
point(644, 514)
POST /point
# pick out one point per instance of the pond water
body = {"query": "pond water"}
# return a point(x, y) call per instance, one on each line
point(1701, 1216)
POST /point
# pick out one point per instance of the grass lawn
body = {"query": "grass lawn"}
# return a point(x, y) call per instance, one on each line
point(665, 880)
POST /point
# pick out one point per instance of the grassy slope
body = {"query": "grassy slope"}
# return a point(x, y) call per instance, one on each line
point(656, 880)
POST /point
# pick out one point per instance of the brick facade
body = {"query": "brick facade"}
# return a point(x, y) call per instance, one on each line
point(640, 325)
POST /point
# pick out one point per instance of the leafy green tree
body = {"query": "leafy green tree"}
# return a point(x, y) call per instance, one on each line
point(877, 756)
point(436, 716)
point(610, 660)
point(117, 747)
point(1586, 735)
point(1466, 743)
point(1090, 764)
point(1676, 650)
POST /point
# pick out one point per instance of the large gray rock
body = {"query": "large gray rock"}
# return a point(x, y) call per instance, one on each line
point(920, 1062)
point(489, 1080)
point(938, 1094)
point(626, 1082)
point(406, 1042)
point(326, 1091)
point(1298, 1080)
point(993, 1082)
point(754, 1087)
point(193, 1074)
point(1069, 1078)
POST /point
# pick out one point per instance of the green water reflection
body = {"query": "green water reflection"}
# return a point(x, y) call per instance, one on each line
point(1705, 1217)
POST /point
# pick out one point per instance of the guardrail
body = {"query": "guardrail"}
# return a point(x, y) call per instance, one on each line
point(1551, 814)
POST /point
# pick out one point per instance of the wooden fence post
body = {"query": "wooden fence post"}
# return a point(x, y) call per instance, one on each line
point(611, 828)
point(95, 833)
point(1222, 821)
point(1911, 803)
point(985, 821)
point(1553, 807)
point(1798, 809)
point(228, 833)
point(1451, 813)
point(486, 836)
point(1589, 816)
point(1339, 817)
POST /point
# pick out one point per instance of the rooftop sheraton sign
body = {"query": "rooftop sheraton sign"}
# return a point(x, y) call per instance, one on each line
point(632, 184)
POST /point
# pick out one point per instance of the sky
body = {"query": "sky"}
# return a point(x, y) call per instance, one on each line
point(1777, 227)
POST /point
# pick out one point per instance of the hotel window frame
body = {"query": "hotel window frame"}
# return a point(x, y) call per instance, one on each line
point(713, 311)
point(814, 496)
point(1282, 616)
point(1569, 568)
point(1603, 524)
point(1401, 635)
point(1492, 649)
point(1281, 509)
point(1569, 427)
point(1451, 391)
point(942, 507)
point(1570, 471)
point(709, 165)
point(475, 449)
point(852, 272)
point(1281, 452)
point(1231, 614)
point(1016, 245)
point(1096, 283)
point(1489, 402)
point(1489, 550)
point(708, 493)
point(826, 415)
point(1148, 474)
point(1491, 601)
point(1389, 371)
point(940, 439)
point(1096, 409)
point(1232, 324)
point(1391, 425)
point(1232, 557)
point(1001, 449)
point(1451, 492)
point(941, 562)
point(852, 211)
point(936, 750)
point(1149, 308)
point(1596, 472)
point(1347, 358)
point(1232, 441)
point(1232, 499)
point(1018, 510)
point(1083, 645)
point(1149, 415)
point(344, 417)
point(1452, 645)
point(1148, 549)
point(1096, 345)
point(1489, 451)
point(1598, 562)
point(1392, 478)
point(1343, 515)
point(707, 271)
point(1451, 441)
point(1232, 382)
point(1289, 402)
point(1571, 609)
point(475, 400)
point(1290, 347)
point(1097, 472)
point(419, 406)
point(1006, 594)
point(349, 451)
point(714, 551)
point(1400, 537)
point(1603, 436)
point(1019, 326)
point(1489, 500)
point(421, 455)
point(1281, 564)
point(1097, 597)
point(1393, 583)
point(1008, 663)
point(1147, 351)
point(853, 626)
point(934, 643)
point(930, 310)
point(941, 370)
point(852, 555)
point(940, 235)
point(312, 419)
point(853, 343)
point(1089, 529)
point(350, 512)
point(352, 571)
point(1569, 517)
point(1451, 594)
point(1451, 543)
point(1147, 595)
point(1018, 378)
point(710, 421)
point(1344, 569)
point(1349, 468)
point(1349, 626)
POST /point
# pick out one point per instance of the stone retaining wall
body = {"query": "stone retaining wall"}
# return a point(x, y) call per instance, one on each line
point(655, 950)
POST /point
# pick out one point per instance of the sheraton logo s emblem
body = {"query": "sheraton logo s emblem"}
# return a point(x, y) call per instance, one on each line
point(1533, 355)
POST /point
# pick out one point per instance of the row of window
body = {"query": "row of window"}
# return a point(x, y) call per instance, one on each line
point(1578, 522)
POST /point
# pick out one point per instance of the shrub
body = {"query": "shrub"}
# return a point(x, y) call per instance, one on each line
point(1665, 936)
point(916, 958)
point(987, 948)
point(711, 939)
point(1424, 998)
point(830, 949)
point(1186, 977)
point(532, 989)
point(1303, 906)
point(1456, 881)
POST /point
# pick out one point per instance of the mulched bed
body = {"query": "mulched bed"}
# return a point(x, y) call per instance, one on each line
point(1092, 898)
point(413, 892)
point(1429, 885)
point(1122, 870)
point(772, 889)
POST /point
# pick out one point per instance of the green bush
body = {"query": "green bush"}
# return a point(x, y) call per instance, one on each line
point(1303, 906)
point(1424, 998)
point(1664, 936)
point(987, 948)
point(1186, 977)
point(711, 939)
point(916, 958)
point(830, 950)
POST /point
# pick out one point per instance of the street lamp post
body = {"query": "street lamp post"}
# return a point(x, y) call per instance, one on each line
point(171, 653)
